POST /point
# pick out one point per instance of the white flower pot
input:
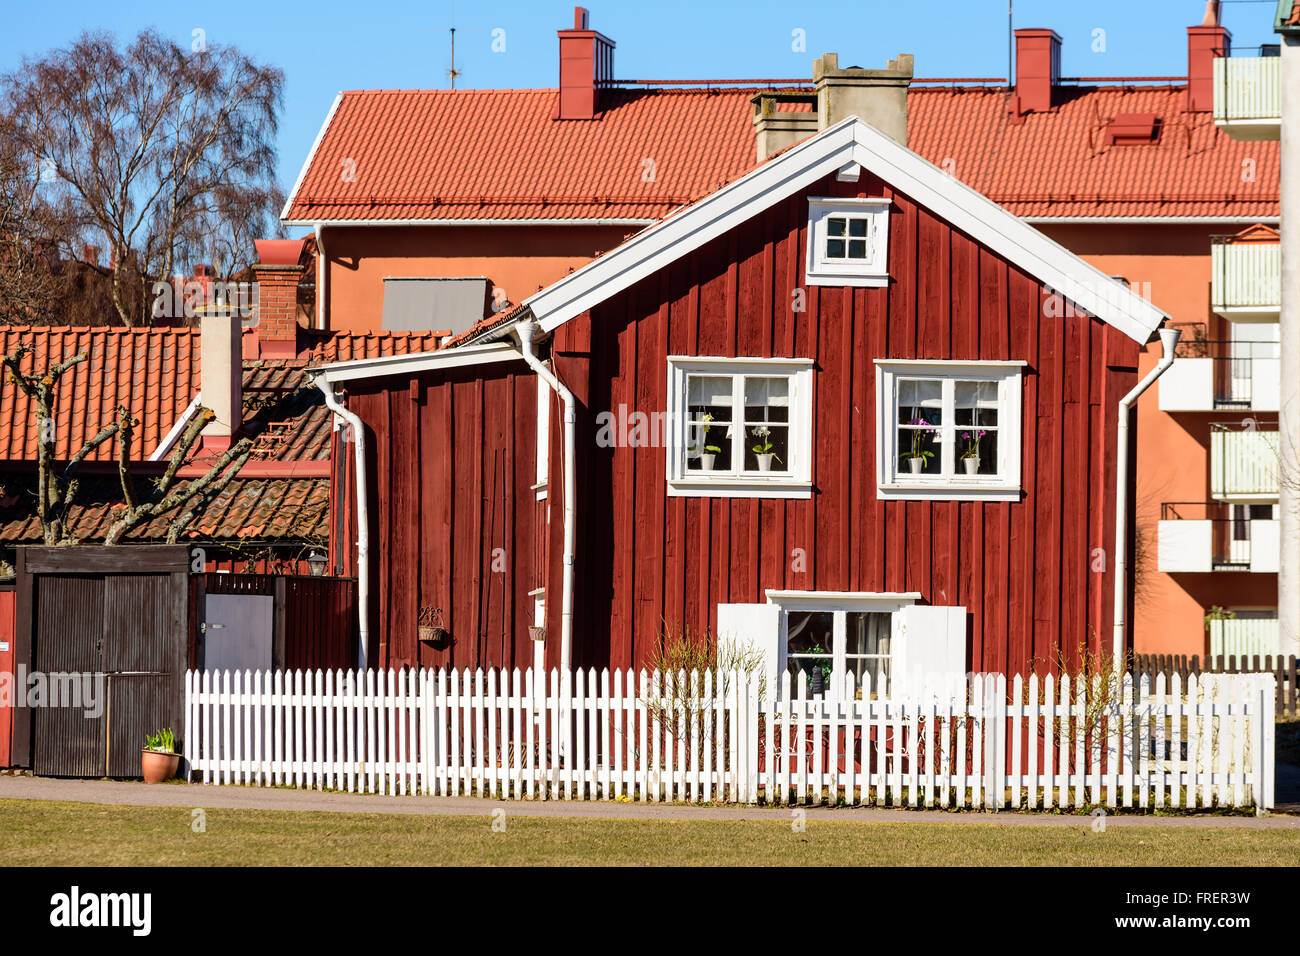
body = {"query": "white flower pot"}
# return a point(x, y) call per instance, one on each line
point(708, 458)
point(972, 465)
point(916, 464)
point(765, 462)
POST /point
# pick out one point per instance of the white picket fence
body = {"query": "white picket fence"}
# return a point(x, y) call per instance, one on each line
point(717, 738)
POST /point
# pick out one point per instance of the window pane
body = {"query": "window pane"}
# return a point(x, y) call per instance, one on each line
point(858, 227)
point(867, 632)
point(976, 403)
point(834, 248)
point(773, 440)
point(809, 632)
point(762, 394)
point(709, 415)
point(920, 398)
point(857, 249)
point(835, 226)
point(808, 649)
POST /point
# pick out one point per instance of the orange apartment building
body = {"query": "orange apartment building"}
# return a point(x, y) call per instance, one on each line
point(432, 209)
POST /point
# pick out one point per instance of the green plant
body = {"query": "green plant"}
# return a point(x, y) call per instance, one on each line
point(919, 436)
point(764, 445)
point(1218, 613)
point(163, 741)
point(704, 435)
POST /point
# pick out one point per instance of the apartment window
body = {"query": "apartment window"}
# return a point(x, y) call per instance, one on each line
point(848, 242)
point(740, 427)
point(948, 429)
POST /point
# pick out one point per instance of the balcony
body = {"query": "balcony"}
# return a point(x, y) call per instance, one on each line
point(1243, 461)
point(1216, 375)
point(1205, 536)
point(1248, 95)
point(1244, 634)
point(1246, 282)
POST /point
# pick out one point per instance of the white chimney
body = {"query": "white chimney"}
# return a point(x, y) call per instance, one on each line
point(222, 370)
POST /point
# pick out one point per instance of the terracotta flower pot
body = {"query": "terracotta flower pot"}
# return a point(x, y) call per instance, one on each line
point(158, 766)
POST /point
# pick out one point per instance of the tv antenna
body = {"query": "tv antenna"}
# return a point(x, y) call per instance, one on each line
point(452, 72)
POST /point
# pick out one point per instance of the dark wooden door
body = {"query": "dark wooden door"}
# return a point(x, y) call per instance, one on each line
point(122, 628)
point(69, 740)
point(144, 647)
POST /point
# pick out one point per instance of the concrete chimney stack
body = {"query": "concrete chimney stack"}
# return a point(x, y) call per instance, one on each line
point(877, 97)
point(221, 366)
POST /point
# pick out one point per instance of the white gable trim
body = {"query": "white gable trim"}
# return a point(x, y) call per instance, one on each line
point(311, 154)
point(413, 362)
point(850, 140)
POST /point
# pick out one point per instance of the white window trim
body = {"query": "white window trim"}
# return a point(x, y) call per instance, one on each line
point(871, 273)
point(797, 483)
point(839, 604)
point(892, 484)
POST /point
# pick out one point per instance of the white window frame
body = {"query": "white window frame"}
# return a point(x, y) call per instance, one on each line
point(839, 604)
point(793, 482)
point(949, 485)
point(870, 272)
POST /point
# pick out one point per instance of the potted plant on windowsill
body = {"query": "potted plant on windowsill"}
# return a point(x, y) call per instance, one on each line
point(970, 456)
point(432, 628)
point(711, 452)
point(159, 759)
point(763, 449)
point(819, 675)
point(918, 456)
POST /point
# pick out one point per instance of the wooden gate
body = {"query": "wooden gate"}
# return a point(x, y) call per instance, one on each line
point(116, 620)
point(6, 667)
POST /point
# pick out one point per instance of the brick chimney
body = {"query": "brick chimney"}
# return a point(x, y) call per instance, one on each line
point(90, 254)
point(877, 97)
point(1038, 70)
point(1204, 43)
point(221, 370)
point(586, 63)
point(277, 273)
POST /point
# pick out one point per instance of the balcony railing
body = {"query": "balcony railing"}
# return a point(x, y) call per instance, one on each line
point(1246, 282)
point(1243, 460)
point(1248, 96)
point(1204, 536)
point(1244, 635)
point(1215, 375)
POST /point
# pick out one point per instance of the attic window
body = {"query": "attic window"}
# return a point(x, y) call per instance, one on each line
point(848, 242)
point(1132, 129)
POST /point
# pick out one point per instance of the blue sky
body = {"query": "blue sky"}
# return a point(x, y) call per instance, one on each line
point(330, 45)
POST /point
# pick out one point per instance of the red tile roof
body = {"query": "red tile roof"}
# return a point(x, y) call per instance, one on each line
point(155, 373)
point(250, 510)
point(499, 154)
point(1060, 164)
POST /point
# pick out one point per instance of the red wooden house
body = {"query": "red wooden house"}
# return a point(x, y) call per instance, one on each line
point(836, 408)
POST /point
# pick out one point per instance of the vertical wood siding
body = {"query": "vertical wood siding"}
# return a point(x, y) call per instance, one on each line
point(452, 461)
point(1035, 574)
point(454, 519)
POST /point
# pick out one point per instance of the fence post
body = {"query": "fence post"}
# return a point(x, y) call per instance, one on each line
point(1264, 737)
point(994, 718)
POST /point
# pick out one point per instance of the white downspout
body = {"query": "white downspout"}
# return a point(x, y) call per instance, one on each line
point(321, 269)
point(1169, 340)
point(363, 518)
point(528, 331)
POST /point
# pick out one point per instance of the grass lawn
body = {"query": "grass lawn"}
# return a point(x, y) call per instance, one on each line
point(77, 834)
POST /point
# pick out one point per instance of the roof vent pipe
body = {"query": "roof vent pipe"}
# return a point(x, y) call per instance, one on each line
point(1169, 342)
point(528, 333)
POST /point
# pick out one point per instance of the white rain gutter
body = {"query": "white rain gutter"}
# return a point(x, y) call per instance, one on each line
point(1169, 340)
point(528, 331)
point(363, 518)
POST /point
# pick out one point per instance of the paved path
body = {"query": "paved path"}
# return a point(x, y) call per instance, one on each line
point(258, 798)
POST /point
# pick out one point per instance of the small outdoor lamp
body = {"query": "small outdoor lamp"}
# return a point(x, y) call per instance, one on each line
point(316, 562)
